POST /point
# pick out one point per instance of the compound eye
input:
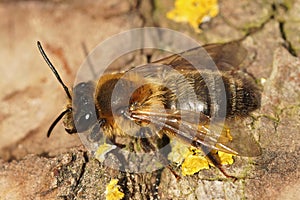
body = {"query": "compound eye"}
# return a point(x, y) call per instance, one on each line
point(85, 121)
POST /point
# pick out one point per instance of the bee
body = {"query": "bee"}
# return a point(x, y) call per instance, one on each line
point(169, 98)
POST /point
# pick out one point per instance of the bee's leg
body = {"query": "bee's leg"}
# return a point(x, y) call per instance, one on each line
point(150, 142)
point(171, 168)
point(112, 140)
point(145, 145)
point(165, 149)
point(95, 134)
point(162, 149)
point(214, 158)
point(146, 140)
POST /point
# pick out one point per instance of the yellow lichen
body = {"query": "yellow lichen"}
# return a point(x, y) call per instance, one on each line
point(193, 164)
point(113, 190)
point(228, 134)
point(225, 158)
point(192, 159)
point(102, 150)
point(179, 152)
point(194, 12)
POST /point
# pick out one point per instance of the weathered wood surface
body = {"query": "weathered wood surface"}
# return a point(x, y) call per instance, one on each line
point(34, 167)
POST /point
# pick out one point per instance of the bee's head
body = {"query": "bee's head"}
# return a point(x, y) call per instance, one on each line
point(84, 114)
point(80, 115)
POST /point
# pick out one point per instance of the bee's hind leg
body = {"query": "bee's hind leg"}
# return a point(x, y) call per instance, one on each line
point(214, 158)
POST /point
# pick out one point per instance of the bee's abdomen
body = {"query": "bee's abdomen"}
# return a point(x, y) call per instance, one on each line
point(224, 94)
point(242, 94)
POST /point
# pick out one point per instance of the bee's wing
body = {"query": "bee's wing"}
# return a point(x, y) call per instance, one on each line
point(225, 56)
point(182, 125)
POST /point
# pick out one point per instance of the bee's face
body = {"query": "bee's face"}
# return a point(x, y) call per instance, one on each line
point(83, 115)
point(68, 121)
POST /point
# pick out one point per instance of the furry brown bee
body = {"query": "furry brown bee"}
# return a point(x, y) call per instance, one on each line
point(169, 98)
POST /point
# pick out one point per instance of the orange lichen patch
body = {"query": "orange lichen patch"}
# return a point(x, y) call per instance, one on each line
point(113, 190)
point(194, 12)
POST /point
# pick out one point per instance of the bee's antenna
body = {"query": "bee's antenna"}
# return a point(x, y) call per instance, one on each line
point(56, 74)
point(60, 116)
